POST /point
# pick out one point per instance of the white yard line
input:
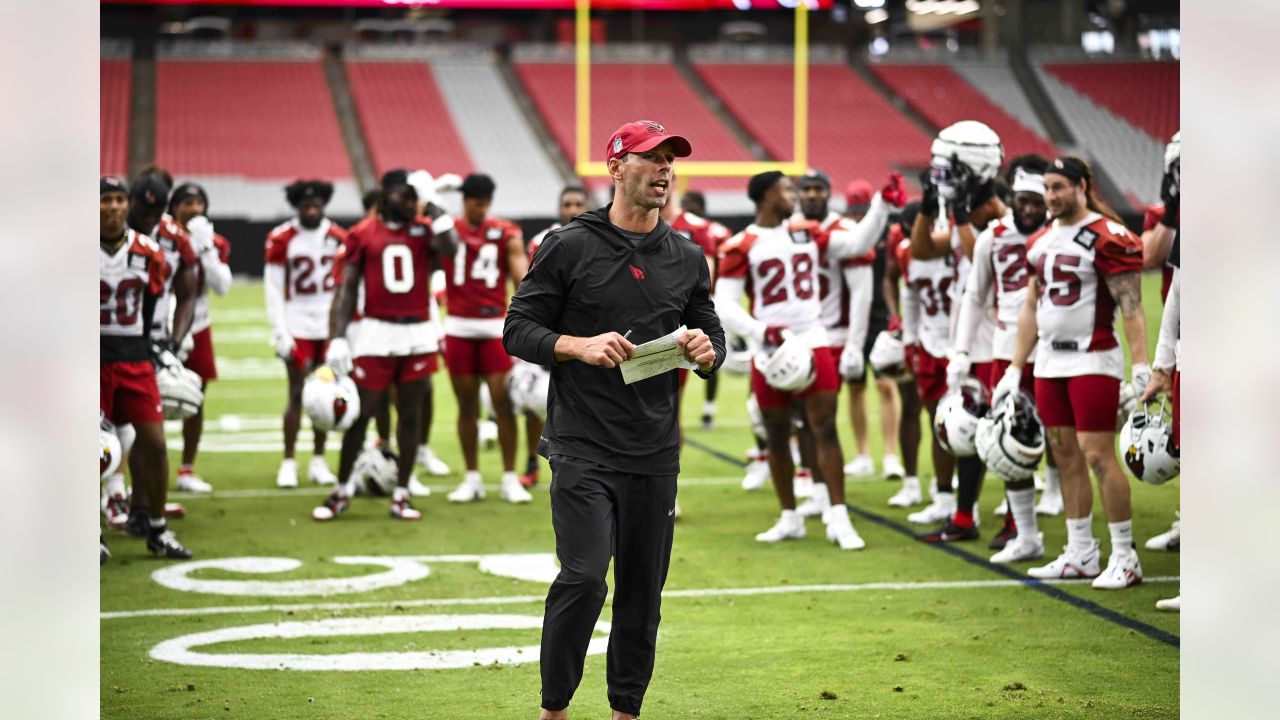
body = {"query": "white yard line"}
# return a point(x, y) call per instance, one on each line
point(522, 599)
point(318, 490)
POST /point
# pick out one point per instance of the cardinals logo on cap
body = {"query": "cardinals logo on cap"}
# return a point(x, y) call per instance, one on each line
point(653, 127)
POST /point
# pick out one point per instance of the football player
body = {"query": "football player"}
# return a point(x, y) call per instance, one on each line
point(490, 254)
point(1087, 267)
point(189, 207)
point(391, 257)
point(1166, 378)
point(777, 261)
point(907, 329)
point(299, 285)
point(132, 273)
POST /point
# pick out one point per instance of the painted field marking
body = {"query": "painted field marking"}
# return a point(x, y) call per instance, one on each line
point(319, 490)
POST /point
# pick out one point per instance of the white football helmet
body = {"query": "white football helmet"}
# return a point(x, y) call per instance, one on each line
point(376, 471)
point(1173, 151)
point(888, 356)
point(109, 449)
point(1010, 440)
point(970, 143)
point(1147, 443)
point(790, 367)
point(331, 401)
point(181, 391)
point(528, 386)
point(1128, 403)
point(955, 423)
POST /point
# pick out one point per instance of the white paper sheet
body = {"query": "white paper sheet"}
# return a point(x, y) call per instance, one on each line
point(656, 357)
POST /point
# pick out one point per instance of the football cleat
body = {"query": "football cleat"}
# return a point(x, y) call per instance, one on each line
point(907, 496)
point(487, 435)
point(1173, 604)
point(840, 530)
point(334, 505)
point(469, 490)
point(938, 511)
point(192, 483)
point(1002, 509)
point(416, 488)
point(1008, 531)
point(803, 483)
point(1124, 569)
point(757, 472)
point(513, 492)
point(432, 464)
point(1168, 541)
point(790, 526)
point(161, 541)
point(893, 469)
point(319, 473)
point(818, 503)
point(174, 511)
point(1071, 564)
point(1050, 504)
point(287, 475)
point(860, 466)
point(949, 533)
point(1020, 548)
point(402, 507)
point(115, 508)
point(530, 478)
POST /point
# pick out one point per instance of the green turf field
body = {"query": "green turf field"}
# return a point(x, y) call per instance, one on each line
point(800, 629)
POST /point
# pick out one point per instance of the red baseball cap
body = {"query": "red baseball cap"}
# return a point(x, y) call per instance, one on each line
point(858, 193)
point(643, 136)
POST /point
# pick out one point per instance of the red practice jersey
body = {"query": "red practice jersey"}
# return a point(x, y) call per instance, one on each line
point(397, 268)
point(477, 274)
point(125, 278)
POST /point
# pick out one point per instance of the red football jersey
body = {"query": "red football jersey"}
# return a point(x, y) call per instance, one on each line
point(477, 275)
point(1151, 218)
point(397, 267)
point(697, 229)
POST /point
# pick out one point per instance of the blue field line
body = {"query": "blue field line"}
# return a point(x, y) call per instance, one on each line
point(1049, 590)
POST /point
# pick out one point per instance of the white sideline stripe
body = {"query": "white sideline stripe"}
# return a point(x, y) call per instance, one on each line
point(321, 490)
point(521, 599)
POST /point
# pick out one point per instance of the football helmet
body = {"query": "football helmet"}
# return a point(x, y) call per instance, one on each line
point(1147, 442)
point(790, 367)
point(955, 423)
point(376, 471)
point(331, 401)
point(181, 391)
point(1010, 440)
point(888, 356)
point(1128, 403)
point(109, 449)
point(973, 146)
point(528, 386)
point(1173, 151)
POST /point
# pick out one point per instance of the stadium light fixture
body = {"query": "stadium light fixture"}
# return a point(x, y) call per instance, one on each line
point(869, 4)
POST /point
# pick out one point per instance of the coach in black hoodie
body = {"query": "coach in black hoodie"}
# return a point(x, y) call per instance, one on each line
point(606, 279)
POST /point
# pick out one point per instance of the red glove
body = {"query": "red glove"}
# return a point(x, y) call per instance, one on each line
point(894, 192)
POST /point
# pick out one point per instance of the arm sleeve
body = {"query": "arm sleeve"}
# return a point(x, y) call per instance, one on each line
point(735, 317)
point(976, 290)
point(859, 280)
point(863, 238)
point(1170, 326)
point(910, 314)
point(537, 306)
point(273, 286)
point(217, 271)
point(700, 314)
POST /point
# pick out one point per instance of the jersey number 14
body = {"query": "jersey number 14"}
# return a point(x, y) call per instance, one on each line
point(484, 265)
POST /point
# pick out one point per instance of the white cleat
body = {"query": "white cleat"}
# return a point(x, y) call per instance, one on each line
point(1168, 541)
point(1038, 482)
point(432, 464)
point(803, 483)
point(468, 491)
point(907, 497)
point(287, 475)
point(860, 466)
point(1071, 564)
point(192, 483)
point(513, 492)
point(841, 532)
point(789, 527)
point(893, 469)
point(940, 510)
point(416, 488)
point(1021, 549)
point(1124, 569)
point(318, 472)
point(488, 434)
point(817, 505)
point(1050, 504)
point(1171, 605)
point(757, 473)
point(1002, 509)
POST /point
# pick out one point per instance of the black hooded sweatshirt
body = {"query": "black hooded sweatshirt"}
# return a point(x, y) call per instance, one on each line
point(587, 278)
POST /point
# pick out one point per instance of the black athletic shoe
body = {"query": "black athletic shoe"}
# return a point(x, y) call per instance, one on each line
point(949, 533)
point(162, 542)
point(139, 523)
point(708, 421)
point(1008, 531)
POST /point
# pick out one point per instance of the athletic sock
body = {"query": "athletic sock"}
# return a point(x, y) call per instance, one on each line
point(348, 488)
point(1121, 535)
point(835, 511)
point(821, 494)
point(969, 470)
point(115, 484)
point(510, 478)
point(1052, 481)
point(963, 517)
point(790, 518)
point(531, 465)
point(911, 482)
point(1080, 533)
point(709, 408)
point(399, 494)
point(186, 469)
point(157, 525)
point(473, 477)
point(1022, 505)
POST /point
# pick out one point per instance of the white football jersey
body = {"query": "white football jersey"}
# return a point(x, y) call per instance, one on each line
point(999, 280)
point(1075, 312)
point(178, 253)
point(307, 258)
point(933, 282)
point(780, 265)
point(980, 347)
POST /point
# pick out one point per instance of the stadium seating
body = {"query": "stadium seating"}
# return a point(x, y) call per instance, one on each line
point(853, 131)
point(113, 117)
point(405, 119)
point(942, 96)
point(1144, 94)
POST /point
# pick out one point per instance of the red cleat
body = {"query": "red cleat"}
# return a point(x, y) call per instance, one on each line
point(529, 479)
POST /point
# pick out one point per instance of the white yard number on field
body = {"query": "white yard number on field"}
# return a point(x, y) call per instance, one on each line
point(397, 268)
point(484, 266)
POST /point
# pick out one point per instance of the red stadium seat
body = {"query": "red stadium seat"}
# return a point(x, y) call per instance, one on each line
point(113, 130)
point(1145, 94)
point(405, 119)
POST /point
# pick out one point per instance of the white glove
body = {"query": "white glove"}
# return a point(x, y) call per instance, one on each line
point(339, 356)
point(1009, 384)
point(185, 347)
point(852, 365)
point(201, 230)
point(448, 182)
point(284, 345)
point(958, 368)
point(425, 185)
point(1141, 374)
